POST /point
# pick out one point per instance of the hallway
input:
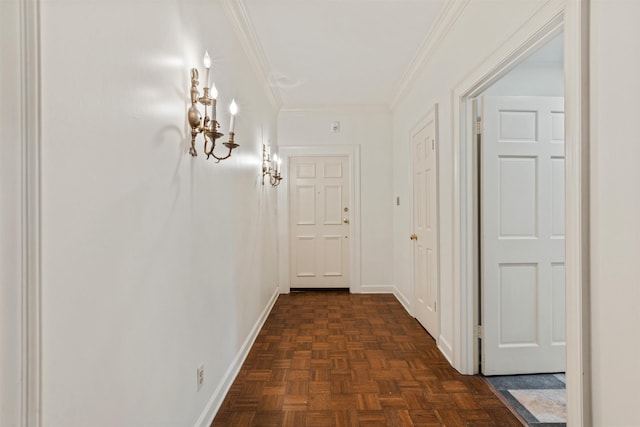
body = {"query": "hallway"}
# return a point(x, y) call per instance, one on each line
point(340, 359)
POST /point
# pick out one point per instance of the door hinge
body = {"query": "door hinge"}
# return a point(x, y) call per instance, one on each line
point(435, 306)
point(478, 128)
point(433, 144)
point(480, 331)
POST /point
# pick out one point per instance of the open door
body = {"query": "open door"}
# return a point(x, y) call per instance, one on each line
point(522, 235)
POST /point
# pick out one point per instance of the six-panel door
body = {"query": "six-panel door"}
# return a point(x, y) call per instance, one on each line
point(319, 222)
point(522, 199)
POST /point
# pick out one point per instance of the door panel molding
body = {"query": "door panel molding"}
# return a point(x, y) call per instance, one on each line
point(352, 152)
point(330, 198)
point(424, 223)
point(517, 245)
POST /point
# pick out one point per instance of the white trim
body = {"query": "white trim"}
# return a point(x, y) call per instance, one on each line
point(377, 289)
point(402, 298)
point(577, 243)
point(546, 23)
point(445, 348)
point(206, 417)
point(243, 28)
point(431, 115)
point(30, 332)
point(447, 17)
point(353, 154)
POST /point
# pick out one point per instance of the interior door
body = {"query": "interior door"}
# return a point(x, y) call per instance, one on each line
point(425, 226)
point(522, 226)
point(319, 221)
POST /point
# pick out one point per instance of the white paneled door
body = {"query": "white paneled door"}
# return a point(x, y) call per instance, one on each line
point(522, 226)
point(425, 226)
point(319, 221)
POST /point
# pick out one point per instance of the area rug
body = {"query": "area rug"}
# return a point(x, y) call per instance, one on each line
point(539, 399)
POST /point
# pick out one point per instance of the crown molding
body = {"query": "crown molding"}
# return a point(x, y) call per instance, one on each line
point(244, 30)
point(447, 17)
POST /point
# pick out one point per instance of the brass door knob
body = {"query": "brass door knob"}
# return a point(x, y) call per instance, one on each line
point(346, 221)
point(413, 237)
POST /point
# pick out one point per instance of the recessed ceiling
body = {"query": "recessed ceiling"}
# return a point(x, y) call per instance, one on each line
point(340, 52)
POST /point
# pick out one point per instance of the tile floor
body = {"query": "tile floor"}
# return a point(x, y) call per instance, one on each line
point(539, 399)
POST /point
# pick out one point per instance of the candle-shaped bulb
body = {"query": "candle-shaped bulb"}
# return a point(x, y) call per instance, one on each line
point(207, 68)
point(275, 158)
point(278, 166)
point(233, 109)
point(213, 92)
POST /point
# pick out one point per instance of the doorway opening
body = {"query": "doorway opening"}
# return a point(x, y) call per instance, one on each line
point(519, 156)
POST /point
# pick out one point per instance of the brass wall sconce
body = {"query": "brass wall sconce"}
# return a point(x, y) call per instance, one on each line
point(270, 166)
point(208, 126)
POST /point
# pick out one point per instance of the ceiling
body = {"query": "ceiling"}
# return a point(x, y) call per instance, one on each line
point(338, 52)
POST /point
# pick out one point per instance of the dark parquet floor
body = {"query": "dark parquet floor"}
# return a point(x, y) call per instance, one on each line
point(340, 359)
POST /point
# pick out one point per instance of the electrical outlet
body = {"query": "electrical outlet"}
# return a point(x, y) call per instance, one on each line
point(200, 376)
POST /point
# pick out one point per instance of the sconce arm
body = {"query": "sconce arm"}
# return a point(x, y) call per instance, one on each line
point(229, 144)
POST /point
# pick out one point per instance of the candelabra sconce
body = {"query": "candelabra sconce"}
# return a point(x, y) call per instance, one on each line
point(209, 126)
point(270, 166)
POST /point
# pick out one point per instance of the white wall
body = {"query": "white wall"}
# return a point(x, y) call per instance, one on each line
point(153, 261)
point(10, 214)
point(615, 212)
point(540, 74)
point(530, 80)
point(481, 29)
point(370, 128)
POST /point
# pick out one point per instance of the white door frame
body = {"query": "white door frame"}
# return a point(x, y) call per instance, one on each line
point(432, 114)
point(352, 152)
point(29, 248)
point(572, 18)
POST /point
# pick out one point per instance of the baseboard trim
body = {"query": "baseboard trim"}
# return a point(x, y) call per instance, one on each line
point(377, 289)
point(446, 349)
point(403, 300)
point(210, 411)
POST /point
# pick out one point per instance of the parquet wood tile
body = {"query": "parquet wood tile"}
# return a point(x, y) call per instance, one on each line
point(343, 360)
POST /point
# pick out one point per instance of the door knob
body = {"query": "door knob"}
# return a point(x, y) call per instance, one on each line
point(346, 220)
point(413, 237)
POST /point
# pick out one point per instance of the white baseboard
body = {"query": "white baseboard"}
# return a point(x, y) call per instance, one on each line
point(403, 300)
point(210, 411)
point(377, 289)
point(446, 349)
